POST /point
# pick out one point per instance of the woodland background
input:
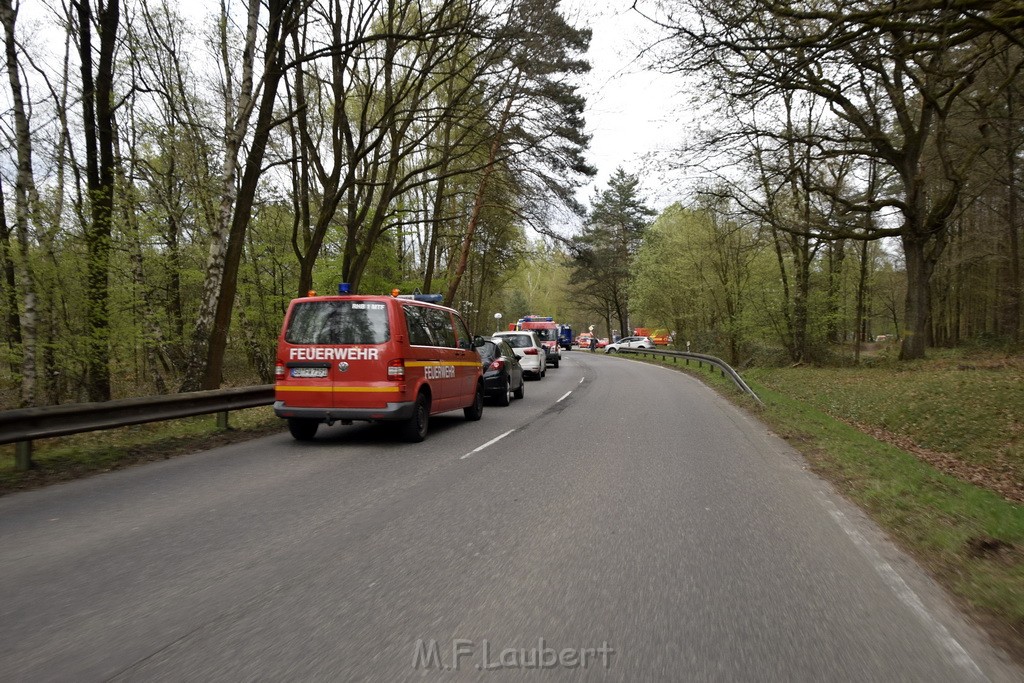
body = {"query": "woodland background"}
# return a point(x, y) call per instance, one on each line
point(168, 185)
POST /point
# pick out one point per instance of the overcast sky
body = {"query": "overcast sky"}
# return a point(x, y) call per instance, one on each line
point(631, 110)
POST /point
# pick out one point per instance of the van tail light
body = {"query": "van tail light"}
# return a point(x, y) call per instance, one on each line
point(396, 370)
point(530, 351)
point(496, 364)
point(279, 370)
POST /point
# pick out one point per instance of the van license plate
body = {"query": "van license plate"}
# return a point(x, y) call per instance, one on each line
point(307, 373)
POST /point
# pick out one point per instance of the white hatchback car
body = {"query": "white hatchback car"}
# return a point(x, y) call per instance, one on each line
point(529, 350)
point(630, 343)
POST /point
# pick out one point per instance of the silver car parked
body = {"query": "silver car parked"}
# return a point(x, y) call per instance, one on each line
point(630, 343)
point(529, 350)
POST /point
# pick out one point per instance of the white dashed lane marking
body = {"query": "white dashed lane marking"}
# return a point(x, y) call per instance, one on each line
point(489, 443)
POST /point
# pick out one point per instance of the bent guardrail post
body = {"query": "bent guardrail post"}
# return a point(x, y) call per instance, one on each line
point(712, 361)
point(24, 425)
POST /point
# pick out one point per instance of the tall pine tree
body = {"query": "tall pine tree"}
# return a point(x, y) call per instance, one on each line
point(604, 252)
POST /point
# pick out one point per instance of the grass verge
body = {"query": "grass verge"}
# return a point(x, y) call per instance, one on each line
point(969, 536)
point(79, 455)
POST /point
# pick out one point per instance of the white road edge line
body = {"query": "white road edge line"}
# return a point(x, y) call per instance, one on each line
point(489, 443)
point(581, 379)
point(906, 594)
point(565, 396)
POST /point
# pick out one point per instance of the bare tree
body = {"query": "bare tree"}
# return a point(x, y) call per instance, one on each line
point(396, 77)
point(98, 106)
point(891, 77)
point(26, 202)
point(237, 111)
point(185, 164)
point(282, 14)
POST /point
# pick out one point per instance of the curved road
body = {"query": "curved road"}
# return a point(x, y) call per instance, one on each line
point(621, 523)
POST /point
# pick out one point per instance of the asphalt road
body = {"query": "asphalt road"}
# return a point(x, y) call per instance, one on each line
point(628, 525)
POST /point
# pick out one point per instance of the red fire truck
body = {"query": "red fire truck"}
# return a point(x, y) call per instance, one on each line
point(547, 331)
point(660, 337)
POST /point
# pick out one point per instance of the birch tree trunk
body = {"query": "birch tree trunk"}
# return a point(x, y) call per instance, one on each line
point(281, 14)
point(26, 201)
point(237, 115)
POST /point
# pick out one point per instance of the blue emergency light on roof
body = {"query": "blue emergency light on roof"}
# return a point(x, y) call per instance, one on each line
point(430, 298)
point(538, 319)
point(344, 287)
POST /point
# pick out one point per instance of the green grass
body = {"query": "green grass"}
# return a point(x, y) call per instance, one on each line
point(969, 537)
point(77, 455)
point(972, 410)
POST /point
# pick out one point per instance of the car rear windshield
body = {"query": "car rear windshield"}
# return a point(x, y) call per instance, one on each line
point(519, 340)
point(338, 322)
point(489, 351)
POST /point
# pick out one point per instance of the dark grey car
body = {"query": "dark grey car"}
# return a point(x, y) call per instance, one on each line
point(503, 375)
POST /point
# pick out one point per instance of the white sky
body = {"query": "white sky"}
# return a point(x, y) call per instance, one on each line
point(631, 111)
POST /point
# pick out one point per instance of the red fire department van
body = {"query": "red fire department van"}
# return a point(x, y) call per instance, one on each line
point(376, 358)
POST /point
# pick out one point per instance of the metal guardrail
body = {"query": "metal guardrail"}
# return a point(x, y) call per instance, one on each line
point(701, 358)
point(23, 425)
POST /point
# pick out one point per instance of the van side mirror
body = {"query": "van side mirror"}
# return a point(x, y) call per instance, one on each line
point(478, 341)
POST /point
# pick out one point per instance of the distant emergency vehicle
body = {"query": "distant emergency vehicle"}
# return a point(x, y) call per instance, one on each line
point(660, 337)
point(548, 331)
point(565, 337)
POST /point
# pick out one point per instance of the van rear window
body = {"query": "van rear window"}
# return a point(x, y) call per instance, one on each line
point(338, 322)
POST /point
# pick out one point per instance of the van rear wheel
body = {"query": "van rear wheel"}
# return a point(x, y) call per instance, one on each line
point(415, 428)
point(302, 428)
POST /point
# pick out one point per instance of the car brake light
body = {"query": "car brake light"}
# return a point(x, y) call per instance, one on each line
point(396, 370)
point(497, 364)
point(530, 351)
point(279, 370)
